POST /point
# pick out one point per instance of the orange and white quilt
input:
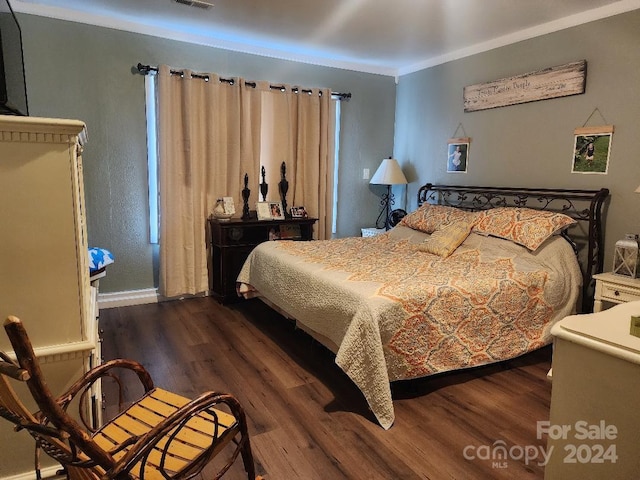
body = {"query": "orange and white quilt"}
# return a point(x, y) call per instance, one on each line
point(392, 312)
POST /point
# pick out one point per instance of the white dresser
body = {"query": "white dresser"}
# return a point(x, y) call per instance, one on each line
point(44, 275)
point(594, 424)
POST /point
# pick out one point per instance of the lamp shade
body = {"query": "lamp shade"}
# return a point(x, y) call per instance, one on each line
point(637, 190)
point(388, 173)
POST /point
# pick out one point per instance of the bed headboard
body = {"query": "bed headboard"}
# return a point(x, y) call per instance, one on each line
point(585, 206)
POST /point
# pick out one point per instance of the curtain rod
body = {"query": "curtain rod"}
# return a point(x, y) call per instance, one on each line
point(147, 69)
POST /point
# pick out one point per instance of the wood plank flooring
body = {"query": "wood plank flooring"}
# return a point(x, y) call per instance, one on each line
point(308, 421)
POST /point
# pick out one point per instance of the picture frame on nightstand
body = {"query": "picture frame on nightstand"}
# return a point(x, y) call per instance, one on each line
point(276, 211)
point(229, 206)
point(262, 211)
point(269, 211)
point(298, 212)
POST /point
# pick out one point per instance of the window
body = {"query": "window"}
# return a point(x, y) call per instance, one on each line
point(152, 161)
point(152, 157)
point(334, 226)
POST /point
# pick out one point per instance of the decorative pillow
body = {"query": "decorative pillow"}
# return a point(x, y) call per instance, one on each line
point(524, 226)
point(429, 218)
point(446, 239)
point(99, 258)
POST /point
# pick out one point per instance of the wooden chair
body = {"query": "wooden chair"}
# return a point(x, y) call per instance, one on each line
point(161, 436)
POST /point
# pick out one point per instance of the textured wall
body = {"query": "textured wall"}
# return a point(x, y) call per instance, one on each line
point(531, 145)
point(85, 72)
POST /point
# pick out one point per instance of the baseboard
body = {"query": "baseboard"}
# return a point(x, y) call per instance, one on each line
point(49, 472)
point(128, 298)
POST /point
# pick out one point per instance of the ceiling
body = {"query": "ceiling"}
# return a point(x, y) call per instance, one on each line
point(383, 37)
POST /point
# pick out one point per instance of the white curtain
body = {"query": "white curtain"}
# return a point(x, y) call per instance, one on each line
point(211, 133)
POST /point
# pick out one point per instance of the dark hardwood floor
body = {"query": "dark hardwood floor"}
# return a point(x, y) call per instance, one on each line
point(308, 421)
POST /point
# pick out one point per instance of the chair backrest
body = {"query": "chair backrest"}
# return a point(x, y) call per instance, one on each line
point(12, 409)
point(55, 431)
point(10, 404)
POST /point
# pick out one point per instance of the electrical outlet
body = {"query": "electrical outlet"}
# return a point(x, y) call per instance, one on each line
point(365, 174)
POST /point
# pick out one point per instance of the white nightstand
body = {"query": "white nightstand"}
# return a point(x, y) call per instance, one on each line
point(614, 288)
point(372, 232)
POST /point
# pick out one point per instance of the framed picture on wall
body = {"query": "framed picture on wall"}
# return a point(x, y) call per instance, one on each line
point(591, 148)
point(458, 155)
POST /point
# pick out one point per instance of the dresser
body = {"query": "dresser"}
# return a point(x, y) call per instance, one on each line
point(233, 240)
point(44, 274)
point(594, 426)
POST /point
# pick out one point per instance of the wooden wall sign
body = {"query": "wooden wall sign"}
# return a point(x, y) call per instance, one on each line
point(553, 82)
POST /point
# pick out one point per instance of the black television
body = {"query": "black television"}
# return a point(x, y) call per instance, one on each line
point(13, 87)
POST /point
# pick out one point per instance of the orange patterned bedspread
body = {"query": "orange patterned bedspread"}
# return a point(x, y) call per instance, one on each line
point(397, 313)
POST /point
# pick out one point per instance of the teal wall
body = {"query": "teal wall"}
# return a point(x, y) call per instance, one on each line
point(85, 72)
point(531, 145)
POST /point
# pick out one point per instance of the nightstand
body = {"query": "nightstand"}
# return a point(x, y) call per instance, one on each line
point(596, 372)
point(232, 242)
point(614, 288)
point(372, 232)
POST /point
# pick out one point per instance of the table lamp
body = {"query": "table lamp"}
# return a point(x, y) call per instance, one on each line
point(388, 173)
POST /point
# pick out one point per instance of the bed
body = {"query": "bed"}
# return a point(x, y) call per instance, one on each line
point(476, 275)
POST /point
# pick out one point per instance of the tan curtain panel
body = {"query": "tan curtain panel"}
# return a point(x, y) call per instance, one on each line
point(298, 129)
point(208, 137)
point(211, 133)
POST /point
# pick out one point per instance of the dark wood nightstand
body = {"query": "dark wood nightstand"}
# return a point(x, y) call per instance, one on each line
point(233, 240)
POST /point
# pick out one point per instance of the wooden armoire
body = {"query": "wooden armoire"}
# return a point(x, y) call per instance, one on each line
point(44, 274)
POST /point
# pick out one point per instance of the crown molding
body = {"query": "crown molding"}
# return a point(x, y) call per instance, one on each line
point(592, 15)
point(27, 7)
point(23, 6)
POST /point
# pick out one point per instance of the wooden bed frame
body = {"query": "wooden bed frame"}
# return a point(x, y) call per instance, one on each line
point(584, 206)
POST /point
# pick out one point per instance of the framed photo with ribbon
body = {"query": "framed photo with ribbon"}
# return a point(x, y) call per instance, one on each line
point(458, 155)
point(591, 148)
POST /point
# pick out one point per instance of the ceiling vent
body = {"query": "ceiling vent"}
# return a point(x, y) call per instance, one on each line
point(196, 3)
